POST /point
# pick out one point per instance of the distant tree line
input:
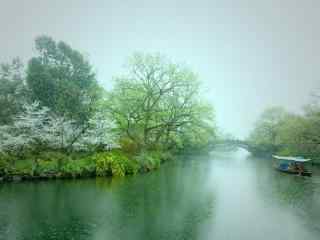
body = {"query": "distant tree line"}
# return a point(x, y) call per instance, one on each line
point(279, 131)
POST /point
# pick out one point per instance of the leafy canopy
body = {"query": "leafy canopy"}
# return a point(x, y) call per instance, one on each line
point(157, 101)
point(62, 79)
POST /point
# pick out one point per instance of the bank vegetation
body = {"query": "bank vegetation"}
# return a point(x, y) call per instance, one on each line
point(56, 120)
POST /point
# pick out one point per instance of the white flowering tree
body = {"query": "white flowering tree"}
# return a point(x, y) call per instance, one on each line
point(36, 128)
point(26, 130)
point(100, 133)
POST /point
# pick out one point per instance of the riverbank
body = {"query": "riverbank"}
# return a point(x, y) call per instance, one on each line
point(58, 165)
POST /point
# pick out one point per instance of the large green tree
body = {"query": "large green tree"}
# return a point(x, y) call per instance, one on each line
point(156, 102)
point(62, 79)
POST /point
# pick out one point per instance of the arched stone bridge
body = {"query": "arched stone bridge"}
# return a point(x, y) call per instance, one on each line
point(233, 143)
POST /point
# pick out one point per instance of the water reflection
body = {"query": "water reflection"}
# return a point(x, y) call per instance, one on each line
point(221, 196)
point(167, 204)
point(298, 195)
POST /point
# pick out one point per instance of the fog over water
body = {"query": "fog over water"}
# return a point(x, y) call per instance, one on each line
point(249, 54)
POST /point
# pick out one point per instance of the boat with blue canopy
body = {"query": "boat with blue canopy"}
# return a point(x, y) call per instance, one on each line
point(292, 165)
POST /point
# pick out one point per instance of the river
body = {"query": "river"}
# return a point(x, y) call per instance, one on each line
point(217, 196)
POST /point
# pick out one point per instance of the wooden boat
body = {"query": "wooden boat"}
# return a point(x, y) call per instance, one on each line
point(292, 165)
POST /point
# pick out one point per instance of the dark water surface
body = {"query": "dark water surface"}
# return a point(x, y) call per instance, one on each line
point(221, 196)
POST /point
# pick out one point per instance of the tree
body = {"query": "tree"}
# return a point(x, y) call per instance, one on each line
point(293, 136)
point(301, 133)
point(62, 79)
point(100, 135)
point(156, 101)
point(278, 131)
point(36, 128)
point(12, 90)
point(27, 130)
point(265, 135)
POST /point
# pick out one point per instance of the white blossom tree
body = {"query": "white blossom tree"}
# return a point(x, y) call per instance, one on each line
point(26, 130)
point(37, 128)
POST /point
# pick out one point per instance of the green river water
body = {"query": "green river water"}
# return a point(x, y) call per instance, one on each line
point(217, 196)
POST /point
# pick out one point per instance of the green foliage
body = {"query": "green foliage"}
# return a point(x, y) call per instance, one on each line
point(265, 136)
point(268, 125)
point(48, 167)
point(150, 160)
point(128, 145)
point(25, 167)
point(286, 152)
point(300, 135)
point(156, 102)
point(85, 166)
point(155, 110)
point(48, 162)
point(114, 163)
point(288, 134)
point(4, 166)
point(51, 164)
point(195, 137)
point(71, 168)
point(62, 79)
point(53, 156)
point(165, 156)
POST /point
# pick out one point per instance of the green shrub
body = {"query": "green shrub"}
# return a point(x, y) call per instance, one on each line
point(45, 166)
point(49, 161)
point(149, 160)
point(80, 167)
point(4, 166)
point(52, 156)
point(165, 156)
point(102, 165)
point(88, 165)
point(71, 168)
point(23, 167)
point(114, 163)
point(128, 145)
point(132, 166)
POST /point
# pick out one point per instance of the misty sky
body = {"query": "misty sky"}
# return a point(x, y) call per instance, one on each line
point(249, 54)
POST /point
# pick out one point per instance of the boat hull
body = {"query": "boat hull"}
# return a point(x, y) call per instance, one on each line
point(305, 173)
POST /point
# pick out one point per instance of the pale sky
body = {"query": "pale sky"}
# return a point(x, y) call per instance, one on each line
point(249, 54)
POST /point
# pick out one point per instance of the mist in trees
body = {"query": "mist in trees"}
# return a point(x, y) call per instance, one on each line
point(285, 133)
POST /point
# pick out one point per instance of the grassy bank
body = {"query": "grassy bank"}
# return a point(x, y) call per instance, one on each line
point(53, 165)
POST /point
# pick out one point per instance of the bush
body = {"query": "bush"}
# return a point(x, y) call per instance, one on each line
point(165, 156)
point(23, 167)
point(79, 164)
point(78, 168)
point(71, 168)
point(149, 160)
point(48, 166)
point(128, 145)
point(4, 166)
point(52, 156)
point(114, 163)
